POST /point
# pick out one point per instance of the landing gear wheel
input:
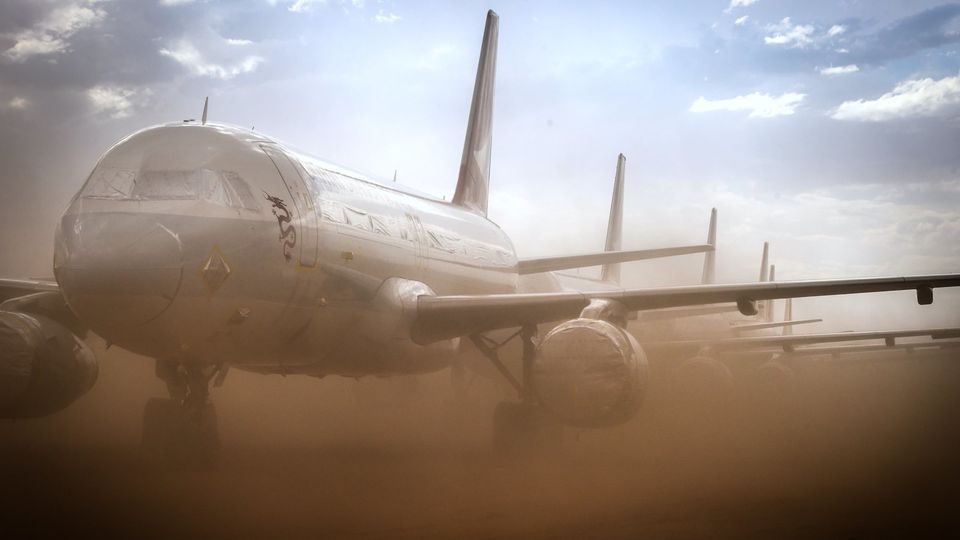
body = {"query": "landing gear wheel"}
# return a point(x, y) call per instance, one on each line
point(180, 436)
point(523, 427)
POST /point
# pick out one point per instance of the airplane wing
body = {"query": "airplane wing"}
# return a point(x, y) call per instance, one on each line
point(12, 288)
point(911, 348)
point(551, 264)
point(445, 317)
point(749, 327)
point(791, 343)
point(687, 311)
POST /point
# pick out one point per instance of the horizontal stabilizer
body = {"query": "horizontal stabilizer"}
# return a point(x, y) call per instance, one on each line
point(550, 264)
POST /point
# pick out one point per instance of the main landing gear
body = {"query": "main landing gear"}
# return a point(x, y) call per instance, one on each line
point(182, 430)
point(525, 424)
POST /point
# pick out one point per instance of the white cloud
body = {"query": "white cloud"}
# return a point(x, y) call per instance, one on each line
point(301, 6)
point(921, 97)
point(787, 33)
point(836, 30)
point(387, 18)
point(175, 2)
point(115, 101)
point(759, 105)
point(739, 3)
point(840, 70)
point(51, 34)
point(741, 20)
point(304, 6)
point(188, 56)
point(18, 103)
point(238, 42)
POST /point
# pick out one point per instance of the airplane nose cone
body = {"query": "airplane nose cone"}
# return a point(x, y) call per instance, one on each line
point(117, 270)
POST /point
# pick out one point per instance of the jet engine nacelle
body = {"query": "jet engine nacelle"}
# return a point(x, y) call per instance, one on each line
point(43, 366)
point(590, 373)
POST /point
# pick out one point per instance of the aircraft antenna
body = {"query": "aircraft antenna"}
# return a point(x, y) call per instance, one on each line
point(203, 118)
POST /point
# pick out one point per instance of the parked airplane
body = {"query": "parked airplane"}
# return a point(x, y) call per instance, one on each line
point(207, 246)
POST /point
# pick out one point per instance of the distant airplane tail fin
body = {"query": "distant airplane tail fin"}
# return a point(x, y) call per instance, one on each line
point(768, 305)
point(764, 306)
point(788, 316)
point(473, 182)
point(611, 272)
point(710, 257)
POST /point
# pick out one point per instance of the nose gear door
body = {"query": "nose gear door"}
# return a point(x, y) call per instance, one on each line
point(302, 203)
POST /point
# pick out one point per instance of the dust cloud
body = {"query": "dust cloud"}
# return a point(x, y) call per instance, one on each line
point(861, 449)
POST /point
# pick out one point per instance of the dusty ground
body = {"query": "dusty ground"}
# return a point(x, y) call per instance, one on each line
point(860, 451)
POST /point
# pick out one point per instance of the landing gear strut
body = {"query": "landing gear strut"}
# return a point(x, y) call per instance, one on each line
point(182, 430)
point(523, 424)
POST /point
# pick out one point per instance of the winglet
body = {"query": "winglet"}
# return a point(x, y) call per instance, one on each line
point(710, 257)
point(473, 182)
point(611, 272)
point(203, 118)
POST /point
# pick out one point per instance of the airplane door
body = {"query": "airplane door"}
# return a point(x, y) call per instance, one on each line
point(303, 205)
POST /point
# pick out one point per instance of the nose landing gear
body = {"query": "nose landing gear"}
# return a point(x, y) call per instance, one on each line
point(182, 430)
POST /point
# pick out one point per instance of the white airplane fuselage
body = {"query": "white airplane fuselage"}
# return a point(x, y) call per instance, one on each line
point(211, 244)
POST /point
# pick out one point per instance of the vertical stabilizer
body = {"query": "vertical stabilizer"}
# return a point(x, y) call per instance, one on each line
point(768, 304)
point(764, 277)
point(611, 272)
point(203, 117)
point(710, 257)
point(788, 316)
point(765, 263)
point(473, 182)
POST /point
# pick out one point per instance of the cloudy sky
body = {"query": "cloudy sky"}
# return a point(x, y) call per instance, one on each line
point(828, 128)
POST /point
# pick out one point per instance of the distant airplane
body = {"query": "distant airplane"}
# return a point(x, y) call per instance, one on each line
point(210, 247)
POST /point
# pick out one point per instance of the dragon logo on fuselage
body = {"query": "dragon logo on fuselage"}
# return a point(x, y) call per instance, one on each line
point(288, 233)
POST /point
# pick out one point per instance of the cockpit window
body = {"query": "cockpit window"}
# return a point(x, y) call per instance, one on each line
point(225, 188)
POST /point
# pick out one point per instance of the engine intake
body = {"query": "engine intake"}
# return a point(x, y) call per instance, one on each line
point(43, 366)
point(589, 373)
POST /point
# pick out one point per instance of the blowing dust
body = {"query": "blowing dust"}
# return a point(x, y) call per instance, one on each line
point(858, 449)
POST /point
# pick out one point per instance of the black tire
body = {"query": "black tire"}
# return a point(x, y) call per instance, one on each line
point(178, 437)
point(524, 427)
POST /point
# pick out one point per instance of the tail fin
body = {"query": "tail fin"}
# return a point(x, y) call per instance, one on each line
point(710, 257)
point(473, 183)
point(788, 316)
point(768, 304)
point(765, 263)
point(611, 272)
point(764, 306)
